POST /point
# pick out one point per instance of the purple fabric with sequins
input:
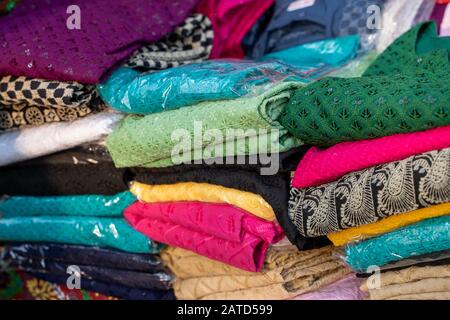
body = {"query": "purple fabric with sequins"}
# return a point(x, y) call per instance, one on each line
point(40, 39)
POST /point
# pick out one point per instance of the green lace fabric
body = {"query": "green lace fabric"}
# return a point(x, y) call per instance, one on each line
point(201, 131)
point(406, 89)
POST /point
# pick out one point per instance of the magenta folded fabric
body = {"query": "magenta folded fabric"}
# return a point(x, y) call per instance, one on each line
point(322, 166)
point(344, 289)
point(218, 231)
point(41, 39)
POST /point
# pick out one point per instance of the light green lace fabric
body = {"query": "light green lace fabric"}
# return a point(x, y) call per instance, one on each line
point(146, 141)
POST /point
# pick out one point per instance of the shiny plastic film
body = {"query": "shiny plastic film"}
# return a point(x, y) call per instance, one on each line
point(129, 91)
point(77, 205)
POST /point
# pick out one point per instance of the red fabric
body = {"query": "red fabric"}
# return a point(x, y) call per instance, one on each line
point(218, 231)
point(442, 1)
point(231, 20)
point(322, 166)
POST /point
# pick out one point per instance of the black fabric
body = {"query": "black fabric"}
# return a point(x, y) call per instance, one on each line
point(83, 170)
point(118, 291)
point(132, 279)
point(84, 255)
point(273, 188)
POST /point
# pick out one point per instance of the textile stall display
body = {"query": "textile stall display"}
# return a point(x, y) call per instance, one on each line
point(225, 150)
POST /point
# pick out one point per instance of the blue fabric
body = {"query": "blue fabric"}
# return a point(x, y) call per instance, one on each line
point(129, 91)
point(427, 236)
point(78, 205)
point(90, 231)
point(317, 58)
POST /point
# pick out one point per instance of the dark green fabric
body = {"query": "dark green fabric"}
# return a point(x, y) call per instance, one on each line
point(402, 91)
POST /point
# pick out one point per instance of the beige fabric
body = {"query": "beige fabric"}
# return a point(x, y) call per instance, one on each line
point(424, 296)
point(411, 274)
point(283, 291)
point(420, 286)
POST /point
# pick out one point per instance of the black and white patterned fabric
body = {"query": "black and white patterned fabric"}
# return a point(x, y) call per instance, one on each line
point(190, 42)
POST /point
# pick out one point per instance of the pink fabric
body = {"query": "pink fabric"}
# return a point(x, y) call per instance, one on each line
point(344, 289)
point(322, 166)
point(445, 25)
point(231, 20)
point(218, 231)
point(36, 42)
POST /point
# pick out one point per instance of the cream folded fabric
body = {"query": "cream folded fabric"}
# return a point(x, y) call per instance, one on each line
point(429, 285)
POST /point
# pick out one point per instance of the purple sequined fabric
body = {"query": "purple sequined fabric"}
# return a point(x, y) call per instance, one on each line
point(35, 40)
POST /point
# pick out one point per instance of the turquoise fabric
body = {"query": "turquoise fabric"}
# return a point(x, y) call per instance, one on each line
point(317, 58)
point(90, 231)
point(427, 236)
point(78, 205)
point(129, 91)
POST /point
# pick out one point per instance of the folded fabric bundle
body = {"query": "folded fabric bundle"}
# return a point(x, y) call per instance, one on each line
point(268, 177)
point(286, 272)
point(388, 224)
point(203, 192)
point(90, 231)
point(78, 205)
point(17, 285)
point(406, 283)
point(34, 142)
point(130, 91)
point(190, 42)
point(323, 166)
point(127, 278)
point(292, 23)
point(126, 25)
point(147, 141)
point(109, 289)
point(218, 231)
point(87, 169)
point(318, 58)
point(343, 289)
point(404, 90)
point(44, 93)
point(423, 237)
point(372, 194)
point(231, 20)
point(85, 255)
point(22, 116)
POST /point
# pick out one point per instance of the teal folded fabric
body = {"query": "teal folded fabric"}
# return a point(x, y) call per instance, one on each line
point(428, 236)
point(130, 91)
point(317, 58)
point(90, 231)
point(77, 205)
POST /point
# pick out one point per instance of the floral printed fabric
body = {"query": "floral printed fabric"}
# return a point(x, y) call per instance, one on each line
point(370, 195)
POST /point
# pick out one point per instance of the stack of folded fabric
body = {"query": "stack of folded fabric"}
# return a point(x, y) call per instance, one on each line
point(287, 273)
point(383, 188)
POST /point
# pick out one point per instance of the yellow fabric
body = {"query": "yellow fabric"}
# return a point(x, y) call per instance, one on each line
point(204, 192)
point(389, 224)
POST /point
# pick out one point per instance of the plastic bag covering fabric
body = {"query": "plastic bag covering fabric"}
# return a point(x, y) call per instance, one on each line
point(147, 141)
point(204, 192)
point(119, 291)
point(43, 40)
point(49, 138)
point(129, 91)
point(344, 289)
point(91, 231)
point(388, 224)
point(82, 205)
point(316, 58)
point(87, 169)
point(424, 237)
point(128, 278)
point(218, 231)
point(398, 17)
point(326, 165)
point(86, 255)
